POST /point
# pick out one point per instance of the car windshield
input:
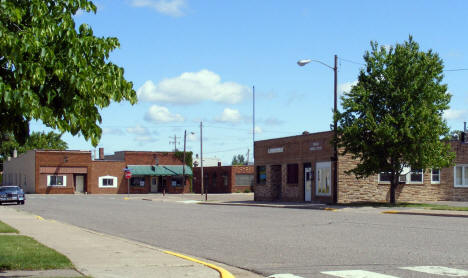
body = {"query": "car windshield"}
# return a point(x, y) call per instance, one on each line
point(9, 189)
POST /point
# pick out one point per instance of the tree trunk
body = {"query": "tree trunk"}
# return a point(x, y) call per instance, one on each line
point(393, 186)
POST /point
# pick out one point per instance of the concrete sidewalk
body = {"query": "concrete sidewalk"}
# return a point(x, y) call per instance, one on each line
point(321, 206)
point(101, 255)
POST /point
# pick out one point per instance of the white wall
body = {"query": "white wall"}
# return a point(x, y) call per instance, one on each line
point(21, 171)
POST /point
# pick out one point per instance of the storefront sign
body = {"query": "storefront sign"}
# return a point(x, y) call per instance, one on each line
point(315, 146)
point(275, 150)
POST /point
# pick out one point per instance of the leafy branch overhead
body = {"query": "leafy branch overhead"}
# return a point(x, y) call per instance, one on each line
point(393, 118)
point(52, 72)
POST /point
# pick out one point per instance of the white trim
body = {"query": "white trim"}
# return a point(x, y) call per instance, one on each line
point(408, 177)
point(432, 181)
point(114, 182)
point(463, 175)
point(55, 185)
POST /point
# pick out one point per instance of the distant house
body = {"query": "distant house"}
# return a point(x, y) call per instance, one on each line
point(207, 161)
point(300, 168)
point(224, 179)
point(68, 172)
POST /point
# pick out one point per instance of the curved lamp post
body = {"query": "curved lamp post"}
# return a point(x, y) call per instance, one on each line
point(335, 135)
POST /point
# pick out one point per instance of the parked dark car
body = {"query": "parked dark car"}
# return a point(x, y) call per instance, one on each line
point(12, 194)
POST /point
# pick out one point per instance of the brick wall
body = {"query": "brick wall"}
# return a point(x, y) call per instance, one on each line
point(221, 179)
point(59, 159)
point(351, 189)
point(301, 150)
point(107, 168)
point(148, 158)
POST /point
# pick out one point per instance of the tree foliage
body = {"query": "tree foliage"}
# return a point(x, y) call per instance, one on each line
point(238, 160)
point(188, 158)
point(392, 118)
point(37, 140)
point(54, 72)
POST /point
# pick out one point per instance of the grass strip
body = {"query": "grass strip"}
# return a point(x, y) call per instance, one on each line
point(25, 253)
point(409, 205)
point(4, 228)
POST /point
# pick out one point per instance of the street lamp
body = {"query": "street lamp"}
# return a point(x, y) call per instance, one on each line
point(335, 134)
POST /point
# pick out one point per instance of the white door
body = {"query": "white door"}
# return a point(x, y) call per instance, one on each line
point(308, 183)
point(154, 184)
point(323, 179)
point(79, 184)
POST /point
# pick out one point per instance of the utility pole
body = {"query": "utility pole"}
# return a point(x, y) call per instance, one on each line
point(201, 163)
point(253, 123)
point(174, 142)
point(183, 166)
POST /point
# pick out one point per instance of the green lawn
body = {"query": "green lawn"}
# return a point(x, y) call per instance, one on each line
point(4, 228)
point(411, 205)
point(24, 253)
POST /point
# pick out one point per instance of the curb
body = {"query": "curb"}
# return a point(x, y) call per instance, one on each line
point(316, 207)
point(425, 213)
point(222, 272)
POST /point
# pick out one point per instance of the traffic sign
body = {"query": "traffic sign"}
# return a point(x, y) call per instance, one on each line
point(128, 174)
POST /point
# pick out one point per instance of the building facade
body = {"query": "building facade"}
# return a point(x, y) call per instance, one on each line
point(224, 179)
point(300, 168)
point(68, 172)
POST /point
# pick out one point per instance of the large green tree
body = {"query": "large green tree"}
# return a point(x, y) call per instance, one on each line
point(392, 118)
point(54, 72)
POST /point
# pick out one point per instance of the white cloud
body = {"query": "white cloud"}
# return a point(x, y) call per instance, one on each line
point(258, 130)
point(138, 130)
point(346, 87)
point(230, 116)
point(144, 139)
point(160, 114)
point(453, 114)
point(168, 7)
point(192, 87)
point(112, 131)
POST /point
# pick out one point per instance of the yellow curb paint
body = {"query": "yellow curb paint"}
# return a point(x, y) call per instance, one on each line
point(224, 273)
point(391, 211)
point(330, 209)
point(38, 217)
point(126, 198)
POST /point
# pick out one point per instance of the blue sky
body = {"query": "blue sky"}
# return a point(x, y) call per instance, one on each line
point(197, 60)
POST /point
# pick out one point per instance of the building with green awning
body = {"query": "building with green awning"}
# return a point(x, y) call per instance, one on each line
point(159, 170)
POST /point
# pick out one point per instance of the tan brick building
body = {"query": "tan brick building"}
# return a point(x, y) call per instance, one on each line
point(300, 168)
point(68, 172)
point(224, 179)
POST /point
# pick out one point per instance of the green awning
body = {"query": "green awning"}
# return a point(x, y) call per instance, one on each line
point(159, 170)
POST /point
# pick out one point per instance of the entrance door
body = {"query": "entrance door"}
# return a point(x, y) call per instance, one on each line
point(323, 179)
point(79, 184)
point(276, 181)
point(154, 184)
point(308, 182)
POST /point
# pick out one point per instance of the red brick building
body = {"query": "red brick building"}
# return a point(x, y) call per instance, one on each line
point(300, 168)
point(224, 179)
point(67, 172)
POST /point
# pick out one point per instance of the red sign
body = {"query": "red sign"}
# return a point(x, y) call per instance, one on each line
point(128, 174)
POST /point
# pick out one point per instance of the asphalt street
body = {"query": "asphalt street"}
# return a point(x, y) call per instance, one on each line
point(303, 242)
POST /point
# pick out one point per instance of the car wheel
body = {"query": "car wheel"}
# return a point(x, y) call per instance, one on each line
point(22, 202)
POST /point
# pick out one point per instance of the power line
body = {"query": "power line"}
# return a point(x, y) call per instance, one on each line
point(351, 61)
point(455, 69)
